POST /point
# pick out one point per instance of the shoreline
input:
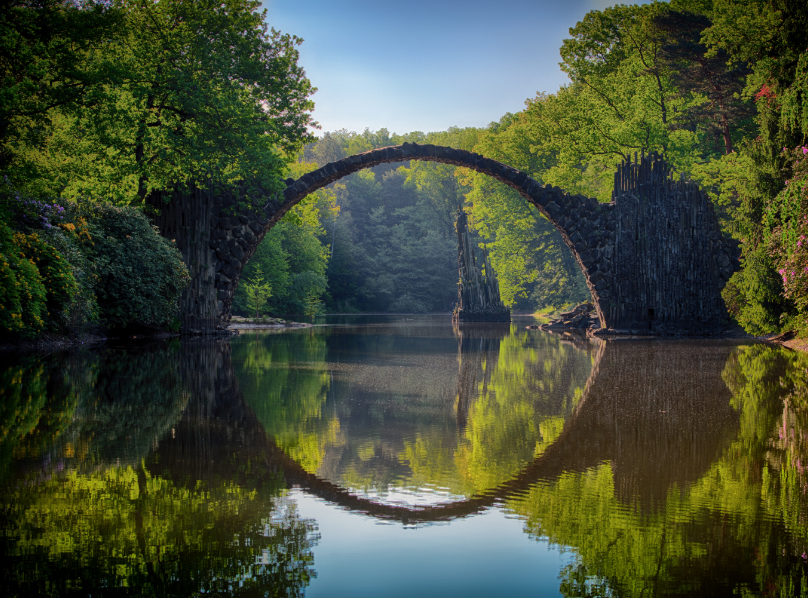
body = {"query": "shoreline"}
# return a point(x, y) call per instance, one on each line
point(49, 343)
point(259, 326)
point(786, 340)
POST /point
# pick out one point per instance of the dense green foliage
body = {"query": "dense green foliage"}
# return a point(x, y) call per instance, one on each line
point(771, 38)
point(257, 292)
point(22, 307)
point(160, 94)
point(140, 274)
point(72, 265)
point(55, 272)
point(391, 229)
point(108, 102)
point(293, 260)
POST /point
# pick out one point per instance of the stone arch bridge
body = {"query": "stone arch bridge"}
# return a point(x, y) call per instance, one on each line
point(653, 258)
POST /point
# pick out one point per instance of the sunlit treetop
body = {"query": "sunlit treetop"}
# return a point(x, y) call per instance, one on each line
point(189, 91)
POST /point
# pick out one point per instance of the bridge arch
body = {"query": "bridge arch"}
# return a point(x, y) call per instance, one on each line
point(582, 222)
point(653, 258)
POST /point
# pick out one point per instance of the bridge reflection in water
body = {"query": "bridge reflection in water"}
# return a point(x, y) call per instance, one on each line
point(667, 467)
point(659, 413)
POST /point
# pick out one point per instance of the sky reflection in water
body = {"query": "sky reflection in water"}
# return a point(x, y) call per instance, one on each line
point(386, 456)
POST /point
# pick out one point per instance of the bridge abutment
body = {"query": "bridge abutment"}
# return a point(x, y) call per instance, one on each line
point(670, 260)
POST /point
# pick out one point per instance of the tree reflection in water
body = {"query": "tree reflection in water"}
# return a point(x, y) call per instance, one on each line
point(459, 412)
point(704, 492)
point(119, 517)
point(667, 468)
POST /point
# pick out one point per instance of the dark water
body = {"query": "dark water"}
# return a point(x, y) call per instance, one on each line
point(397, 456)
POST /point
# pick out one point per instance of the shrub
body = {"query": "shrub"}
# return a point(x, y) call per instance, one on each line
point(140, 274)
point(23, 296)
point(56, 274)
point(68, 264)
point(793, 268)
point(788, 244)
point(82, 308)
point(759, 302)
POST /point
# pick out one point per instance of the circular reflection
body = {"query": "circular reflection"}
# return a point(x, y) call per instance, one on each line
point(413, 416)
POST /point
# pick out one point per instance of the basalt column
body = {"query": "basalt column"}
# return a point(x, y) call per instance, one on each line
point(477, 292)
point(217, 230)
point(670, 258)
point(184, 217)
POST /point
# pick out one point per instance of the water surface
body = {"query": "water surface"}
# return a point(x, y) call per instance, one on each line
point(399, 456)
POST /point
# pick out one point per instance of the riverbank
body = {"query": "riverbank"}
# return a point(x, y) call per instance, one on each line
point(786, 340)
point(48, 343)
point(238, 323)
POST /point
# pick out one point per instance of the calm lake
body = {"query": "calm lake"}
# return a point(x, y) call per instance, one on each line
point(398, 456)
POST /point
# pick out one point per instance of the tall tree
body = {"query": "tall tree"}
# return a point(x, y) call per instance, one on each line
point(771, 37)
point(723, 112)
point(49, 64)
point(207, 91)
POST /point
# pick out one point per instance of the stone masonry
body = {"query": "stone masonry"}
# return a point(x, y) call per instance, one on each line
point(654, 258)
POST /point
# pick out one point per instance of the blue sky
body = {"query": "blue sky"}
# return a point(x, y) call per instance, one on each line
point(426, 65)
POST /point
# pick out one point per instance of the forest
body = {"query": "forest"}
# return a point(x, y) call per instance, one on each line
point(102, 109)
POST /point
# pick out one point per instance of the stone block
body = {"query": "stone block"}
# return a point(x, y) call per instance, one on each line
point(552, 209)
point(518, 178)
point(229, 272)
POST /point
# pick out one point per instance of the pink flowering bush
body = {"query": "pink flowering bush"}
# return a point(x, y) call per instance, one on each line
point(789, 241)
point(793, 269)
